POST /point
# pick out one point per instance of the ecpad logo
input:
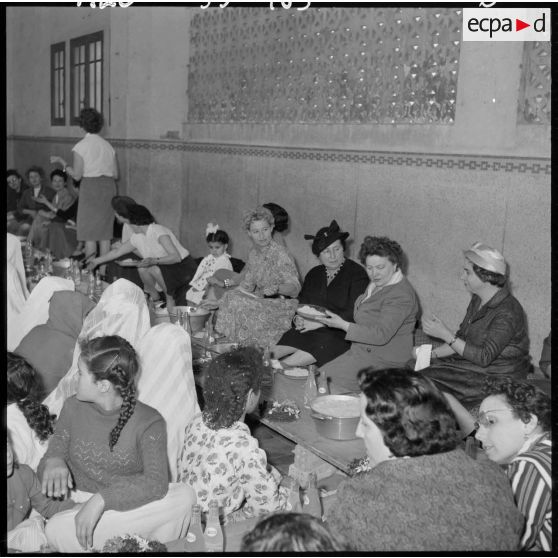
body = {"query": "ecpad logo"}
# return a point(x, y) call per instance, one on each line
point(506, 24)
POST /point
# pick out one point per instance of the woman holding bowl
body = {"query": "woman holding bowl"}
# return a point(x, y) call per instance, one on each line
point(492, 340)
point(423, 493)
point(381, 332)
point(335, 285)
point(514, 426)
point(262, 307)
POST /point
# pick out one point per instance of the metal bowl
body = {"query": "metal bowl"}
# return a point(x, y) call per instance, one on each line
point(197, 317)
point(334, 428)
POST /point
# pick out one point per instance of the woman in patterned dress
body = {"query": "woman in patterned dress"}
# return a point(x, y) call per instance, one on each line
point(260, 310)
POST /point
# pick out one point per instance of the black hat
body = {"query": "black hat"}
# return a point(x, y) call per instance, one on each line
point(326, 236)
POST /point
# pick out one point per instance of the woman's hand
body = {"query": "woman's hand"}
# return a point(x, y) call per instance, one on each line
point(147, 262)
point(57, 478)
point(56, 159)
point(433, 326)
point(333, 320)
point(87, 518)
point(41, 199)
point(92, 263)
point(214, 281)
point(309, 325)
point(270, 290)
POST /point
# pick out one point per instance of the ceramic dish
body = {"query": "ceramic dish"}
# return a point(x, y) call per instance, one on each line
point(311, 311)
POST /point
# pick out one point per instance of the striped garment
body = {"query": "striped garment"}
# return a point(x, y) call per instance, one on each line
point(530, 474)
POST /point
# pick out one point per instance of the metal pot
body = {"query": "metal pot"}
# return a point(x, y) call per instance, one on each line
point(196, 316)
point(335, 428)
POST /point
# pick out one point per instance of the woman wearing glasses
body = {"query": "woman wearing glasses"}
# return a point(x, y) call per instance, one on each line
point(514, 427)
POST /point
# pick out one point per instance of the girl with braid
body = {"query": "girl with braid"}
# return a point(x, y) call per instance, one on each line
point(220, 459)
point(112, 449)
point(29, 422)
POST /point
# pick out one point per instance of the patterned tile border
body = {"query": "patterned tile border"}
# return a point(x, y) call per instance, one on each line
point(523, 165)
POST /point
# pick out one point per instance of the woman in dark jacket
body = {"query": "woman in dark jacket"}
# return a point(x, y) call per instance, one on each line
point(334, 285)
point(492, 339)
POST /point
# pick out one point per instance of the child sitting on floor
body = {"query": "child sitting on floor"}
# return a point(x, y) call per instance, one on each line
point(220, 459)
point(26, 534)
point(218, 242)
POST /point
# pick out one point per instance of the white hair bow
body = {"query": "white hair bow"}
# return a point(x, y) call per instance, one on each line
point(211, 228)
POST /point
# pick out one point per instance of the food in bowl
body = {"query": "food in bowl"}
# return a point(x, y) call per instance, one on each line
point(346, 407)
point(310, 311)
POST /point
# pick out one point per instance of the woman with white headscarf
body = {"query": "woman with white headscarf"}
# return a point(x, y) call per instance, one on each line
point(166, 383)
point(16, 288)
point(35, 310)
point(120, 311)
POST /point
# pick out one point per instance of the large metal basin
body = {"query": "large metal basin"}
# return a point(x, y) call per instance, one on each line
point(335, 427)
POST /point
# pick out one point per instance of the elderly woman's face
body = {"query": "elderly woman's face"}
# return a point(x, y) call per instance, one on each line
point(470, 279)
point(502, 433)
point(14, 182)
point(376, 449)
point(332, 256)
point(380, 270)
point(260, 232)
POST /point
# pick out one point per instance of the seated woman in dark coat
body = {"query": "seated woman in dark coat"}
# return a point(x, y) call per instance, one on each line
point(334, 285)
point(492, 339)
point(423, 493)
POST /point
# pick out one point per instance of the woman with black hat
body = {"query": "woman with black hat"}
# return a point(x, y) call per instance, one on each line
point(335, 285)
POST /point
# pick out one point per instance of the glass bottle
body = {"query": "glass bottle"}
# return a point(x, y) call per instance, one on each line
point(294, 494)
point(91, 286)
point(195, 541)
point(312, 503)
point(213, 534)
point(310, 388)
point(48, 262)
point(322, 383)
point(29, 256)
point(98, 290)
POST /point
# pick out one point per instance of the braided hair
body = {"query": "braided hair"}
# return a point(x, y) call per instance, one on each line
point(228, 379)
point(112, 358)
point(25, 388)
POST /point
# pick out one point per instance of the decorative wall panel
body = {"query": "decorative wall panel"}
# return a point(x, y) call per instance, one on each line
point(336, 65)
point(536, 80)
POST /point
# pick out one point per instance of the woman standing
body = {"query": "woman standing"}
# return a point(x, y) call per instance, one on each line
point(334, 285)
point(95, 165)
point(385, 315)
point(262, 308)
point(492, 339)
point(514, 426)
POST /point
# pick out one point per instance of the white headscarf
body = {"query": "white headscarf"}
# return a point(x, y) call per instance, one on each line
point(35, 310)
point(166, 383)
point(14, 256)
point(120, 311)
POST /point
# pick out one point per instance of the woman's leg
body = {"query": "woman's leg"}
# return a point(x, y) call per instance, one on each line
point(464, 418)
point(281, 351)
point(163, 520)
point(90, 248)
point(149, 283)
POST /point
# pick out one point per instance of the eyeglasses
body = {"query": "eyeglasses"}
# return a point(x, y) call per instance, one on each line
point(485, 421)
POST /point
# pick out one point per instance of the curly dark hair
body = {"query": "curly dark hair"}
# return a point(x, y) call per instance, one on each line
point(218, 236)
point(25, 389)
point(91, 120)
point(496, 279)
point(524, 399)
point(121, 205)
point(59, 172)
point(140, 215)
point(280, 216)
point(381, 246)
point(228, 379)
point(292, 532)
point(13, 172)
point(112, 358)
point(411, 413)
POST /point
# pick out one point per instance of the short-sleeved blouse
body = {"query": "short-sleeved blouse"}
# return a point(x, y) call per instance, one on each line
point(97, 154)
point(148, 245)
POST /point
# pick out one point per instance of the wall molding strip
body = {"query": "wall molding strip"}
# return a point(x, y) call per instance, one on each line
point(493, 163)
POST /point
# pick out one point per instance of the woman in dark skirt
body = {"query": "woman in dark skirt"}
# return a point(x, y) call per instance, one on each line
point(335, 285)
point(166, 263)
point(95, 165)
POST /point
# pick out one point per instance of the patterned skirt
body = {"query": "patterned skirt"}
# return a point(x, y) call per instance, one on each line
point(259, 321)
